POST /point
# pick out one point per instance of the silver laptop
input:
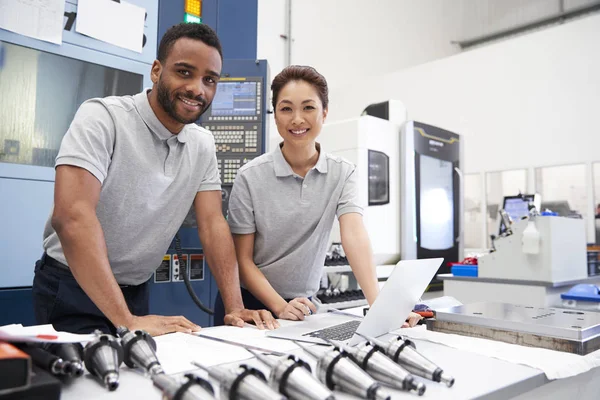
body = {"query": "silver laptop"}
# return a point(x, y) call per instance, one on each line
point(395, 301)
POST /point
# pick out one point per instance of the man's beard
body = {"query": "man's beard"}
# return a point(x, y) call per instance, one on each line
point(168, 103)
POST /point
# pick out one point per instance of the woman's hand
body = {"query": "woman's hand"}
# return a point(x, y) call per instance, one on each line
point(412, 320)
point(296, 309)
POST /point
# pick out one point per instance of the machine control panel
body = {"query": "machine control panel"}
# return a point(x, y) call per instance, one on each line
point(235, 118)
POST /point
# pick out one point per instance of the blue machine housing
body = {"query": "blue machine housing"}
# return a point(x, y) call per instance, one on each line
point(27, 190)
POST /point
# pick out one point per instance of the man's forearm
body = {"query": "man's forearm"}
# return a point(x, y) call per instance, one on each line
point(84, 246)
point(220, 255)
point(360, 256)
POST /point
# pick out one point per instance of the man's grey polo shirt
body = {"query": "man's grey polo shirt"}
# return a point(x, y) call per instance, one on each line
point(291, 216)
point(149, 179)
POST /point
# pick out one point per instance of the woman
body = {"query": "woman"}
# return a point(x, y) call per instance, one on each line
point(283, 204)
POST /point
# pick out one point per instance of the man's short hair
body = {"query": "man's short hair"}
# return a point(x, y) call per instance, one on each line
point(195, 31)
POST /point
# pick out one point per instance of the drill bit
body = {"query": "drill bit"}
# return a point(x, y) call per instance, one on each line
point(195, 388)
point(71, 353)
point(46, 360)
point(292, 377)
point(381, 368)
point(102, 358)
point(139, 350)
point(403, 352)
point(337, 371)
point(243, 382)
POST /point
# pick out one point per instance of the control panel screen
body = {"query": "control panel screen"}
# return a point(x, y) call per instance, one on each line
point(235, 99)
point(516, 208)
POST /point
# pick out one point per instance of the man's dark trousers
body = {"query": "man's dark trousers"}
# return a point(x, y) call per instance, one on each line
point(59, 300)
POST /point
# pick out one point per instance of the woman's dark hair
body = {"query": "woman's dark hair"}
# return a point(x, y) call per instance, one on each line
point(195, 31)
point(300, 73)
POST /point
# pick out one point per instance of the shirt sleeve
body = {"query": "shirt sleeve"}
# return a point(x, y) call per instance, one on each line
point(211, 180)
point(89, 142)
point(241, 210)
point(348, 201)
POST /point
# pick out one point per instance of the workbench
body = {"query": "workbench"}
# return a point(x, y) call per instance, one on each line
point(477, 377)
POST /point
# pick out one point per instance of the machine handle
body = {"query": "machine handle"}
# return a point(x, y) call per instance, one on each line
point(460, 202)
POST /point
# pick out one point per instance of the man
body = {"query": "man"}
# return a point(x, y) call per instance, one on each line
point(128, 170)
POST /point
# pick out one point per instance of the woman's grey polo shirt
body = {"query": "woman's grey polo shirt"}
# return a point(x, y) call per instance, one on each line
point(149, 179)
point(291, 216)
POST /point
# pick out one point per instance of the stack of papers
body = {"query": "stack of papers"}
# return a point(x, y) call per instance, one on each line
point(40, 334)
point(176, 351)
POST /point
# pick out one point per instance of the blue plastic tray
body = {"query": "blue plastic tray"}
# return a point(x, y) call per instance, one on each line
point(464, 270)
point(583, 292)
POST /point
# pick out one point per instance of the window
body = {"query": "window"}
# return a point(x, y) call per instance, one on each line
point(564, 190)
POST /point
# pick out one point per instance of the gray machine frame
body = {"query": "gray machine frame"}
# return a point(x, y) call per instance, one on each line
point(566, 330)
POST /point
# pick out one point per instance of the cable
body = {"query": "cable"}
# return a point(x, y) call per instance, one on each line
point(186, 278)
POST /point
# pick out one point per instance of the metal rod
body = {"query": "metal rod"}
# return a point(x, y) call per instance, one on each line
point(245, 346)
point(560, 17)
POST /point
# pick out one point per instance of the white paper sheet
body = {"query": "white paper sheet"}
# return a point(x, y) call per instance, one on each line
point(555, 364)
point(120, 24)
point(39, 19)
point(39, 334)
point(176, 351)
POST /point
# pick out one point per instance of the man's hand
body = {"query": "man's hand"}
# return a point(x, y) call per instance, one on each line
point(412, 320)
point(261, 318)
point(157, 325)
point(296, 309)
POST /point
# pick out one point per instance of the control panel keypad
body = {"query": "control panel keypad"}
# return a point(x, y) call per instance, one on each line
point(229, 168)
point(242, 139)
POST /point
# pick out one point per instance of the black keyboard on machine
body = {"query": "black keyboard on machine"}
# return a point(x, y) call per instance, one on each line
point(337, 332)
point(338, 297)
point(335, 260)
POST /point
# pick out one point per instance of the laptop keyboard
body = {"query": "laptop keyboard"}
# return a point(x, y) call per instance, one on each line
point(337, 332)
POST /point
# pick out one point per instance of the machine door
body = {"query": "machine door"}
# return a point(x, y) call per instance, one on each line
point(437, 176)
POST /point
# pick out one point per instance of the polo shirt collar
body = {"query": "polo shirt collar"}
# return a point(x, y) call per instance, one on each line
point(282, 168)
point(321, 164)
point(143, 106)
